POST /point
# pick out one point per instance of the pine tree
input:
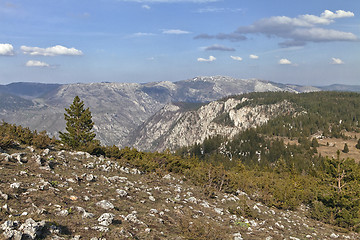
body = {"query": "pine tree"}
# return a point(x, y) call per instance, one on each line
point(79, 126)
point(346, 148)
point(358, 144)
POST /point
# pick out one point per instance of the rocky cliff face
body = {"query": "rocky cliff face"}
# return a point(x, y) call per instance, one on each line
point(117, 108)
point(173, 127)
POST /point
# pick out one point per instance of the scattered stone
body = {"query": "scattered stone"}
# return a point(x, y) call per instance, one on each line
point(151, 198)
point(73, 198)
point(219, 211)
point(106, 219)
point(90, 178)
point(168, 177)
point(3, 195)
point(76, 237)
point(153, 211)
point(121, 192)
point(192, 200)
point(32, 229)
point(46, 152)
point(257, 208)
point(105, 204)
point(333, 235)
point(63, 213)
point(15, 185)
point(237, 236)
point(100, 228)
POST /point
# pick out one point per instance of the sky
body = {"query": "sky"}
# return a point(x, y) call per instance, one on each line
point(307, 42)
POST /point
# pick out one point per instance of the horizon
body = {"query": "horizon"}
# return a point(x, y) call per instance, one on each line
point(140, 41)
point(105, 82)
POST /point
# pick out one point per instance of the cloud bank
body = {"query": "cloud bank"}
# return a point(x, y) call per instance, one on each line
point(51, 51)
point(295, 31)
point(6, 49)
point(217, 47)
point(302, 29)
point(234, 37)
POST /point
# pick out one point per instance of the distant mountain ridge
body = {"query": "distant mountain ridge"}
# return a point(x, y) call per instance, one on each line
point(118, 109)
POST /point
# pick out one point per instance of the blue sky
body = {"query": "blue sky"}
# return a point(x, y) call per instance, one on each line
point(309, 42)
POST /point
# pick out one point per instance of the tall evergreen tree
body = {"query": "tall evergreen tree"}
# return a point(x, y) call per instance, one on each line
point(358, 144)
point(79, 125)
point(346, 148)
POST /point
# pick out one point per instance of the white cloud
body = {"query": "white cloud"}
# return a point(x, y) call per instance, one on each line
point(141, 34)
point(51, 51)
point(145, 6)
point(175, 31)
point(34, 63)
point(218, 10)
point(6, 49)
point(236, 58)
point(327, 14)
point(284, 61)
point(336, 61)
point(210, 59)
point(252, 56)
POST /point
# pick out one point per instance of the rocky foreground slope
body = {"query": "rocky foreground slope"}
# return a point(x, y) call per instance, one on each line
point(50, 194)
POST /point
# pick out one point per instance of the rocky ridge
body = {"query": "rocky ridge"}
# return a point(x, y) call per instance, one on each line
point(117, 108)
point(51, 194)
point(173, 127)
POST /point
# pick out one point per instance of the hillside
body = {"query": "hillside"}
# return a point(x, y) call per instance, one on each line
point(280, 114)
point(118, 108)
point(52, 194)
point(174, 127)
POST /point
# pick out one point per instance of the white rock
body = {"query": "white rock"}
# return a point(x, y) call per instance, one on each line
point(105, 204)
point(237, 236)
point(333, 235)
point(151, 198)
point(121, 192)
point(90, 178)
point(15, 185)
point(168, 177)
point(192, 200)
point(257, 208)
point(100, 229)
point(219, 211)
point(106, 219)
point(46, 152)
point(154, 211)
point(32, 228)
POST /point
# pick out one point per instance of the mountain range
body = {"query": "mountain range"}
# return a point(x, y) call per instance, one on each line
point(120, 110)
